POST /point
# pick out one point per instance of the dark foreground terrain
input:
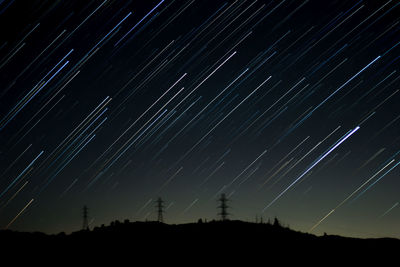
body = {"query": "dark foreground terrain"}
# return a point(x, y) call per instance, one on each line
point(226, 241)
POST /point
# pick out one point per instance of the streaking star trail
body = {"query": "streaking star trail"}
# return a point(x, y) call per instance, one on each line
point(114, 104)
point(319, 159)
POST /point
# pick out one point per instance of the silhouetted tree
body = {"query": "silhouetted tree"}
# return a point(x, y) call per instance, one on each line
point(61, 234)
point(277, 223)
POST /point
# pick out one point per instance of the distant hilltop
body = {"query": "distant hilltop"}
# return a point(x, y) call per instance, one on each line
point(203, 238)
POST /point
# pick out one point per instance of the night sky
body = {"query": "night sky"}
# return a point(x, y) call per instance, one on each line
point(290, 108)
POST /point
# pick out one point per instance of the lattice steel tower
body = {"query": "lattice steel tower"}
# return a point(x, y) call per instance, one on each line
point(85, 225)
point(223, 207)
point(160, 209)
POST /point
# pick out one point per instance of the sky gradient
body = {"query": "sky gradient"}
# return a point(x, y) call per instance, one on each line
point(288, 107)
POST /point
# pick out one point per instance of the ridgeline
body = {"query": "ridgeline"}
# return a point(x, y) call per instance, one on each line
point(203, 239)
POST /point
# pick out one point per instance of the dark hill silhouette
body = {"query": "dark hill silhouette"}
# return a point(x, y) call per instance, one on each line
point(228, 239)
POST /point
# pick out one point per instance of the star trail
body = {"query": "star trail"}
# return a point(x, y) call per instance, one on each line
point(288, 107)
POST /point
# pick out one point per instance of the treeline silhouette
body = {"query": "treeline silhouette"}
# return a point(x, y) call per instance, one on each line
point(201, 238)
point(223, 240)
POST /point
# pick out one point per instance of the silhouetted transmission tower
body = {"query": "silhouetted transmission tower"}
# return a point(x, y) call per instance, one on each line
point(224, 207)
point(85, 225)
point(160, 209)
